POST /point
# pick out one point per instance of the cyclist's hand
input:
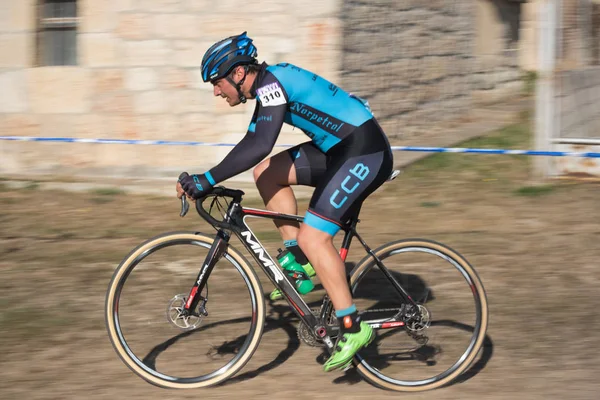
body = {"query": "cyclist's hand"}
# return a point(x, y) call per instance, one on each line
point(180, 191)
point(194, 186)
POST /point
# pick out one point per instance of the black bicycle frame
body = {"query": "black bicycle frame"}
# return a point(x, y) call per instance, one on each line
point(234, 221)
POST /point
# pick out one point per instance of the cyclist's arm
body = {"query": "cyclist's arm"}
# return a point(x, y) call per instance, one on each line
point(258, 142)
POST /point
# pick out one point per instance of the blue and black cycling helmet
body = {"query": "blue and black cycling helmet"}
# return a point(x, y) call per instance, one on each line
point(223, 56)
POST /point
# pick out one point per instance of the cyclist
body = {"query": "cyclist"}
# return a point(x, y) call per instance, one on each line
point(347, 158)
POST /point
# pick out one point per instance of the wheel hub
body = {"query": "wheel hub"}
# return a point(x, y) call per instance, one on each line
point(178, 317)
point(420, 320)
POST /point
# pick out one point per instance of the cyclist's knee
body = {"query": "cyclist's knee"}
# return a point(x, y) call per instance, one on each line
point(310, 238)
point(303, 240)
point(259, 170)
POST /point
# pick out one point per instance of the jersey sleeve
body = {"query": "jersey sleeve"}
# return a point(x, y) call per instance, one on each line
point(269, 115)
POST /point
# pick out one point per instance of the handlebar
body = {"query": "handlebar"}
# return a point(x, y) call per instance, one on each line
point(218, 191)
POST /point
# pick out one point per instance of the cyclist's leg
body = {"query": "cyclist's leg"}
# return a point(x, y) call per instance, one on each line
point(303, 165)
point(299, 165)
point(356, 167)
point(273, 178)
point(323, 221)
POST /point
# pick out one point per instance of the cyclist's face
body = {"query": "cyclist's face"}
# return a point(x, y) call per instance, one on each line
point(223, 88)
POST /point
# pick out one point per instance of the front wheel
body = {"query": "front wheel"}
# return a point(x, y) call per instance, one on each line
point(167, 347)
point(427, 343)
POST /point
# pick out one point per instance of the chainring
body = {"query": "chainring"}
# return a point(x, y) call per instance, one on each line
point(305, 334)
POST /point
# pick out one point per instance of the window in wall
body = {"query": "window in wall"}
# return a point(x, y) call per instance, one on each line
point(57, 32)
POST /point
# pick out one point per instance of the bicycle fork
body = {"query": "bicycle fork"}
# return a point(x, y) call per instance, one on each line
point(214, 254)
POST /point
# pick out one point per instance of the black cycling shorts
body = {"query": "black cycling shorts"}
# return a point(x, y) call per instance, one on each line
point(344, 176)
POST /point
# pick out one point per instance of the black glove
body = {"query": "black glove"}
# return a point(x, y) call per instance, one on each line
point(195, 185)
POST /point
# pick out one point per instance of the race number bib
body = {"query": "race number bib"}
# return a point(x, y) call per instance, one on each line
point(271, 95)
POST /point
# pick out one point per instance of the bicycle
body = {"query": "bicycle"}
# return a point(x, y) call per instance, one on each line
point(398, 305)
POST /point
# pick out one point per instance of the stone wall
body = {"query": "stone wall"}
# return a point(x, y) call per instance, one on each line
point(423, 63)
point(138, 78)
point(578, 102)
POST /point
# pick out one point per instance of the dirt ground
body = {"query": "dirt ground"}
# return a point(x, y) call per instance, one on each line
point(536, 249)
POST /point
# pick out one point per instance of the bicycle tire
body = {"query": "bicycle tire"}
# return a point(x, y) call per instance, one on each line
point(374, 375)
point(119, 342)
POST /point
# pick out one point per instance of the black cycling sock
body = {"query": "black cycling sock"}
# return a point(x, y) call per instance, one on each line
point(350, 323)
point(293, 248)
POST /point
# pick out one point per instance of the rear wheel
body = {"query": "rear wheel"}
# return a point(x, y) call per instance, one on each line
point(425, 346)
point(147, 329)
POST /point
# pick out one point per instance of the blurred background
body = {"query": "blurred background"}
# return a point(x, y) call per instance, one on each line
point(508, 74)
point(129, 70)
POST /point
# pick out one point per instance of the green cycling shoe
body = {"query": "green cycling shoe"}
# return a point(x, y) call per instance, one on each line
point(347, 346)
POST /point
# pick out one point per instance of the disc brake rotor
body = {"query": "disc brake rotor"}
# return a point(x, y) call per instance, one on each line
point(177, 317)
point(420, 321)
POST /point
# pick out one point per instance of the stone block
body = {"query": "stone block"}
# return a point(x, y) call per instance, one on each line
point(19, 125)
point(16, 50)
point(135, 26)
point(445, 44)
point(196, 82)
point(437, 5)
point(125, 5)
point(141, 79)
point(152, 102)
point(162, 6)
point(177, 26)
point(54, 90)
point(99, 50)
point(161, 127)
point(125, 126)
point(147, 53)
point(118, 102)
point(56, 125)
point(401, 71)
point(106, 81)
point(14, 97)
point(175, 78)
point(507, 75)
point(237, 124)
point(17, 16)
point(91, 126)
point(357, 12)
point(388, 103)
point(185, 101)
point(212, 28)
point(199, 5)
point(435, 68)
point(198, 127)
point(97, 16)
point(187, 53)
point(430, 93)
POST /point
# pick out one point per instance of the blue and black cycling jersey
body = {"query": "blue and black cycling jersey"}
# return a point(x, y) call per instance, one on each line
point(287, 93)
point(347, 158)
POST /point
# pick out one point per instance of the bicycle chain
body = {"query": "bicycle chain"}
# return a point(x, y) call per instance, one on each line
point(380, 310)
point(307, 337)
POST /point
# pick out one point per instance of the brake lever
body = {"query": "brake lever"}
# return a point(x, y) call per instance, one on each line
point(185, 206)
